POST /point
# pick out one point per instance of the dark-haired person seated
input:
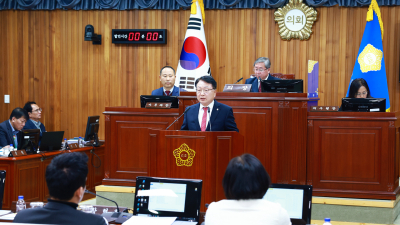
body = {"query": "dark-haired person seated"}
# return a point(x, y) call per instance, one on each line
point(262, 67)
point(198, 118)
point(66, 180)
point(245, 183)
point(167, 79)
point(35, 114)
point(9, 129)
point(358, 89)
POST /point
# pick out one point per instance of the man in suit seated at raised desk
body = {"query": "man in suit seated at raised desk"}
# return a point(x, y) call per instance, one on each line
point(35, 114)
point(167, 79)
point(262, 67)
point(66, 177)
point(208, 114)
point(10, 129)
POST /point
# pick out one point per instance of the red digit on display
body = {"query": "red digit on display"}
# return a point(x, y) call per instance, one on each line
point(137, 36)
point(130, 37)
point(148, 37)
point(155, 36)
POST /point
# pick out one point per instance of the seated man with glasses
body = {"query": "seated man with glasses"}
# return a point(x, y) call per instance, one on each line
point(35, 114)
point(208, 114)
point(261, 71)
point(9, 129)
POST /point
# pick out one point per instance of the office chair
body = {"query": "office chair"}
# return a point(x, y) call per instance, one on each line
point(2, 183)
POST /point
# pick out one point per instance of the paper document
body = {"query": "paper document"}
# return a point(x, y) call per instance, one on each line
point(10, 216)
point(135, 220)
point(4, 212)
point(157, 192)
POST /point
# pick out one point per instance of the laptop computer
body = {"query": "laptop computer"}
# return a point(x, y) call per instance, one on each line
point(168, 197)
point(51, 140)
point(296, 199)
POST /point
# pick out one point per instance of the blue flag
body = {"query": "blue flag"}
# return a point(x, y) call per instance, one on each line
point(370, 63)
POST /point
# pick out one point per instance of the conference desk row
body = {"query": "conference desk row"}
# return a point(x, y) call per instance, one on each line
point(342, 154)
point(26, 174)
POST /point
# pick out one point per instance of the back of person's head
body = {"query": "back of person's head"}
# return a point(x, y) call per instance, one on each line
point(65, 174)
point(265, 60)
point(28, 106)
point(18, 113)
point(355, 85)
point(208, 79)
point(245, 178)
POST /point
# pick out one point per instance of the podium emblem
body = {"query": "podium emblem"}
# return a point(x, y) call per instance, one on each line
point(184, 155)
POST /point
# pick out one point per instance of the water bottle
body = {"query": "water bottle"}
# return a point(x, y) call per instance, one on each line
point(5, 149)
point(80, 142)
point(327, 221)
point(65, 144)
point(20, 204)
point(1, 151)
point(11, 148)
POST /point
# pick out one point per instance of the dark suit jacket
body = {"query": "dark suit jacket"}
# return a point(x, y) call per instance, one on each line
point(160, 91)
point(222, 118)
point(29, 125)
point(254, 82)
point(57, 213)
point(6, 135)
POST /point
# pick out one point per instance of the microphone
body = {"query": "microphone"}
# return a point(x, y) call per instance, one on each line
point(86, 191)
point(178, 117)
point(209, 116)
point(239, 80)
point(118, 216)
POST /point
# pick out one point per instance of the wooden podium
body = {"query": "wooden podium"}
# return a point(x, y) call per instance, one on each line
point(194, 155)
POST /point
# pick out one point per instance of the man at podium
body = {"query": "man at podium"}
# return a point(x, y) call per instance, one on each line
point(262, 67)
point(208, 114)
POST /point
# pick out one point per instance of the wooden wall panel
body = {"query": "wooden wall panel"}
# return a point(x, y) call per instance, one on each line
point(44, 56)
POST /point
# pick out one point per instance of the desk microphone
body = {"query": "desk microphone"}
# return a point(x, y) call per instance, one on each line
point(113, 216)
point(209, 116)
point(178, 117)
point(239, 80)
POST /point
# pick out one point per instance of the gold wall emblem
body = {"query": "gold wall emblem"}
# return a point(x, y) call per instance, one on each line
point(370, 59)
point(184, 155)
point(295, 20)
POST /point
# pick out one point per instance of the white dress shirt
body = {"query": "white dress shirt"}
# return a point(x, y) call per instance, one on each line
point(201, 112)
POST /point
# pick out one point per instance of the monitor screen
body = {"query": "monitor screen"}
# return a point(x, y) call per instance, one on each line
point(296, 199)
point(92, 129)
point(144, 99)
point(30, 140)
point(282, 86)
point(364, 104)
point(168, 197)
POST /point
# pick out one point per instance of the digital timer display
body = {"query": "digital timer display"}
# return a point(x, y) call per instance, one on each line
point(139, 36)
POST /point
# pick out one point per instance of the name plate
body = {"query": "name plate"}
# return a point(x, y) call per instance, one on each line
point(324, 108)
point(158, 105)
point(73, 146)
point(237, 88)
point(17, 153)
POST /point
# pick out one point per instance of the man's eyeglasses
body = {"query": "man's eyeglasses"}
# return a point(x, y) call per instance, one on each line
point(37, 110)
point(259, 70)
point(206, 91)
point(363, 93)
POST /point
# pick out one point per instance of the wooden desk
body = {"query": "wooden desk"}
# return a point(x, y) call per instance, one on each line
point(353, 154)
point(26, 175)
point(274, 126)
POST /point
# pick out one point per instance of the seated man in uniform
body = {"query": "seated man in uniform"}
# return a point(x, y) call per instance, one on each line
point(261, 71)
point(9, 129)
point(66, 180)
point(208, 114)
point(167, 78)
point(35, 114)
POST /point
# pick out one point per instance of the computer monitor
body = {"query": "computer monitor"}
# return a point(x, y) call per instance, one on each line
point(30, 140)
point(168, 197)
point(92, 130)
point(364, 104)
point(159, 98)
point(296, 199)
point(51, 140)
point(282, 86)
